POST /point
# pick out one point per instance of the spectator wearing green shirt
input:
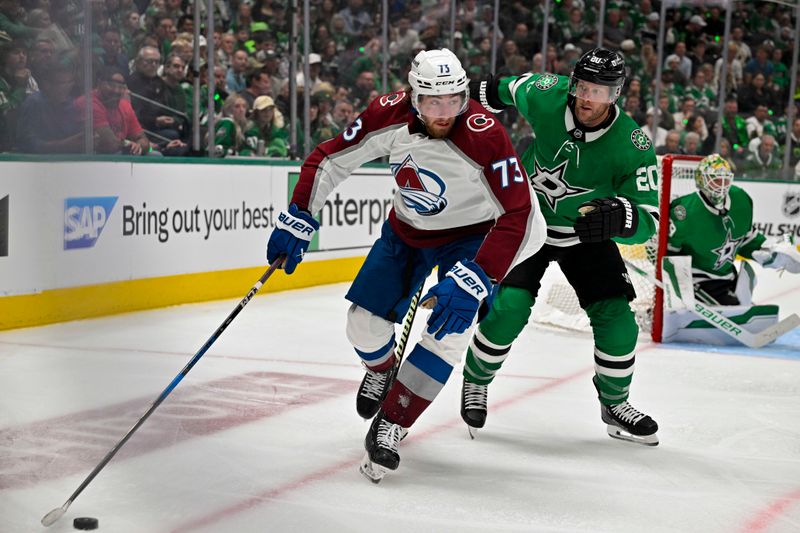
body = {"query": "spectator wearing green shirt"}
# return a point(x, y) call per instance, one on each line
point(11, 13)
point(235, 134)
point(780, 72)
point(765, 161)
point(795, 157)
point(270, 124)
point(16, 83)
point(759, 123)
point(734, 127)
point(704, 95)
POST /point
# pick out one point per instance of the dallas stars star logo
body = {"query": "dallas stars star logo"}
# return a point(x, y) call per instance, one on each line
point(727, 252)
point(550, 182)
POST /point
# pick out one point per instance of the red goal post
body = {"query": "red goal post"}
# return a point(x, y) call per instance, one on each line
point(677, 179)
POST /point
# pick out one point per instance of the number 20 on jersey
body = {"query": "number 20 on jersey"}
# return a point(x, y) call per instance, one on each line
point(647, 178)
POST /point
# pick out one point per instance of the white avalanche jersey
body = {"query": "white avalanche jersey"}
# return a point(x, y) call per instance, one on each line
point(470, 183)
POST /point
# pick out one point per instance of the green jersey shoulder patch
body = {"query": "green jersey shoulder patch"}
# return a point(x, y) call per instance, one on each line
point(640, 140)
point(680, 212)
point(545, 82)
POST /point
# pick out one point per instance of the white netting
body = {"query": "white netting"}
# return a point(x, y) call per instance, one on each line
point(557, 304)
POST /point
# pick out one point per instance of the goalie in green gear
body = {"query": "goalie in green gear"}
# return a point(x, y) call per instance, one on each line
point(595, 174)
point(725, 214)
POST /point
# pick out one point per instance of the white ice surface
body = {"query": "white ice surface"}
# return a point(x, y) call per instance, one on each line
point(282, 455)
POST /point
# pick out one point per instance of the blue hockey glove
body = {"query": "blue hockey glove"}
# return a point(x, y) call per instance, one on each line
point(291, 236)
point(604, 218)
point(458, 297)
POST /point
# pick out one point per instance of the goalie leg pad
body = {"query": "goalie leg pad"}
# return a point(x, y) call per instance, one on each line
point(745, 284)
point(685, 326)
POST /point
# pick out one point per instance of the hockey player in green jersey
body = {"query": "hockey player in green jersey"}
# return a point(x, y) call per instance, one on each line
point(725, 214)
point(586, 154)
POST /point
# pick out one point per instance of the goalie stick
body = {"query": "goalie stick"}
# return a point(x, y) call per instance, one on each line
point(752, 340)
point(50, 518)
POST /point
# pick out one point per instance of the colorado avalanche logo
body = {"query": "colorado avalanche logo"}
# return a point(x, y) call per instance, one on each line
point(421, 189)
point(392, 99)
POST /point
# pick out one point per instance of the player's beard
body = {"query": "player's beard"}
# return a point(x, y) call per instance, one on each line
point(590, 117)
point(439, 128)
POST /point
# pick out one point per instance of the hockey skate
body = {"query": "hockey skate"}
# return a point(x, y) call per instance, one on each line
point(626, 423)
point(373, 390)
point(381, 444)
point(473, 406)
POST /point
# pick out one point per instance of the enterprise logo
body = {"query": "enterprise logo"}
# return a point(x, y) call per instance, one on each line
point(84, 220)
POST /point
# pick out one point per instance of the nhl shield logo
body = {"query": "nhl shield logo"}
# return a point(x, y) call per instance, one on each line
point(640, 140)
point(545, 82)
point(791, 204)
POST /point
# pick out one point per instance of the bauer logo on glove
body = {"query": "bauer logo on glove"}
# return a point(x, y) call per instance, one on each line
point(456, 299)
point(291, 237)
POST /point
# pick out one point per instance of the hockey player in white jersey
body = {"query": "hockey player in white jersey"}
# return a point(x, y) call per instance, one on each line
point(463, 204)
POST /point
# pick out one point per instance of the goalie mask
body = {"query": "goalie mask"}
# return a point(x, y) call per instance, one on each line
point(598, 76)
point(439, 84)
point(714, 178)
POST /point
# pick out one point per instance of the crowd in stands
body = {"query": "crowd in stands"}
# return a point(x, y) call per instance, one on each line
point(143, 98)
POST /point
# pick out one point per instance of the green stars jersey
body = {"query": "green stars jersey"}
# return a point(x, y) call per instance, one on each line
point(711, 239)
point(230, 142)
point(568, 166)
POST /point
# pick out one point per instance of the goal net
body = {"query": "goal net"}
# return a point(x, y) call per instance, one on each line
point(557, 304)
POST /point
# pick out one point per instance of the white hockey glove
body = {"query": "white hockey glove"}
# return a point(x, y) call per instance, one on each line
point(782, 256)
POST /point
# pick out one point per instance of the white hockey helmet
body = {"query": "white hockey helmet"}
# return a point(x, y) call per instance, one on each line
point(714, 177)
point(438, 73)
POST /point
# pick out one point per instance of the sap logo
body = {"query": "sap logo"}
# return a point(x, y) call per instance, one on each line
point(84, 220)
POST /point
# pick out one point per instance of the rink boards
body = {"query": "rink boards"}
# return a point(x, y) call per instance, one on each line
point(81, 238)
point(84, 239)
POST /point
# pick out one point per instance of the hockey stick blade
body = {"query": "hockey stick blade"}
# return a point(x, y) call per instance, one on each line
point(751, 340)
point(781, 328)
point(51, 517)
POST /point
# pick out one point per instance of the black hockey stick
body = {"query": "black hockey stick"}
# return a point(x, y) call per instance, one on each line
point(51, 517)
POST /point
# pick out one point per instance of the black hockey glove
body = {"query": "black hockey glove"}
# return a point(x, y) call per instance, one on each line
point(485, 92)
point(604, 218)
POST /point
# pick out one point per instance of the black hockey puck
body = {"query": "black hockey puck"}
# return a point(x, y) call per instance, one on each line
point(85, 523)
